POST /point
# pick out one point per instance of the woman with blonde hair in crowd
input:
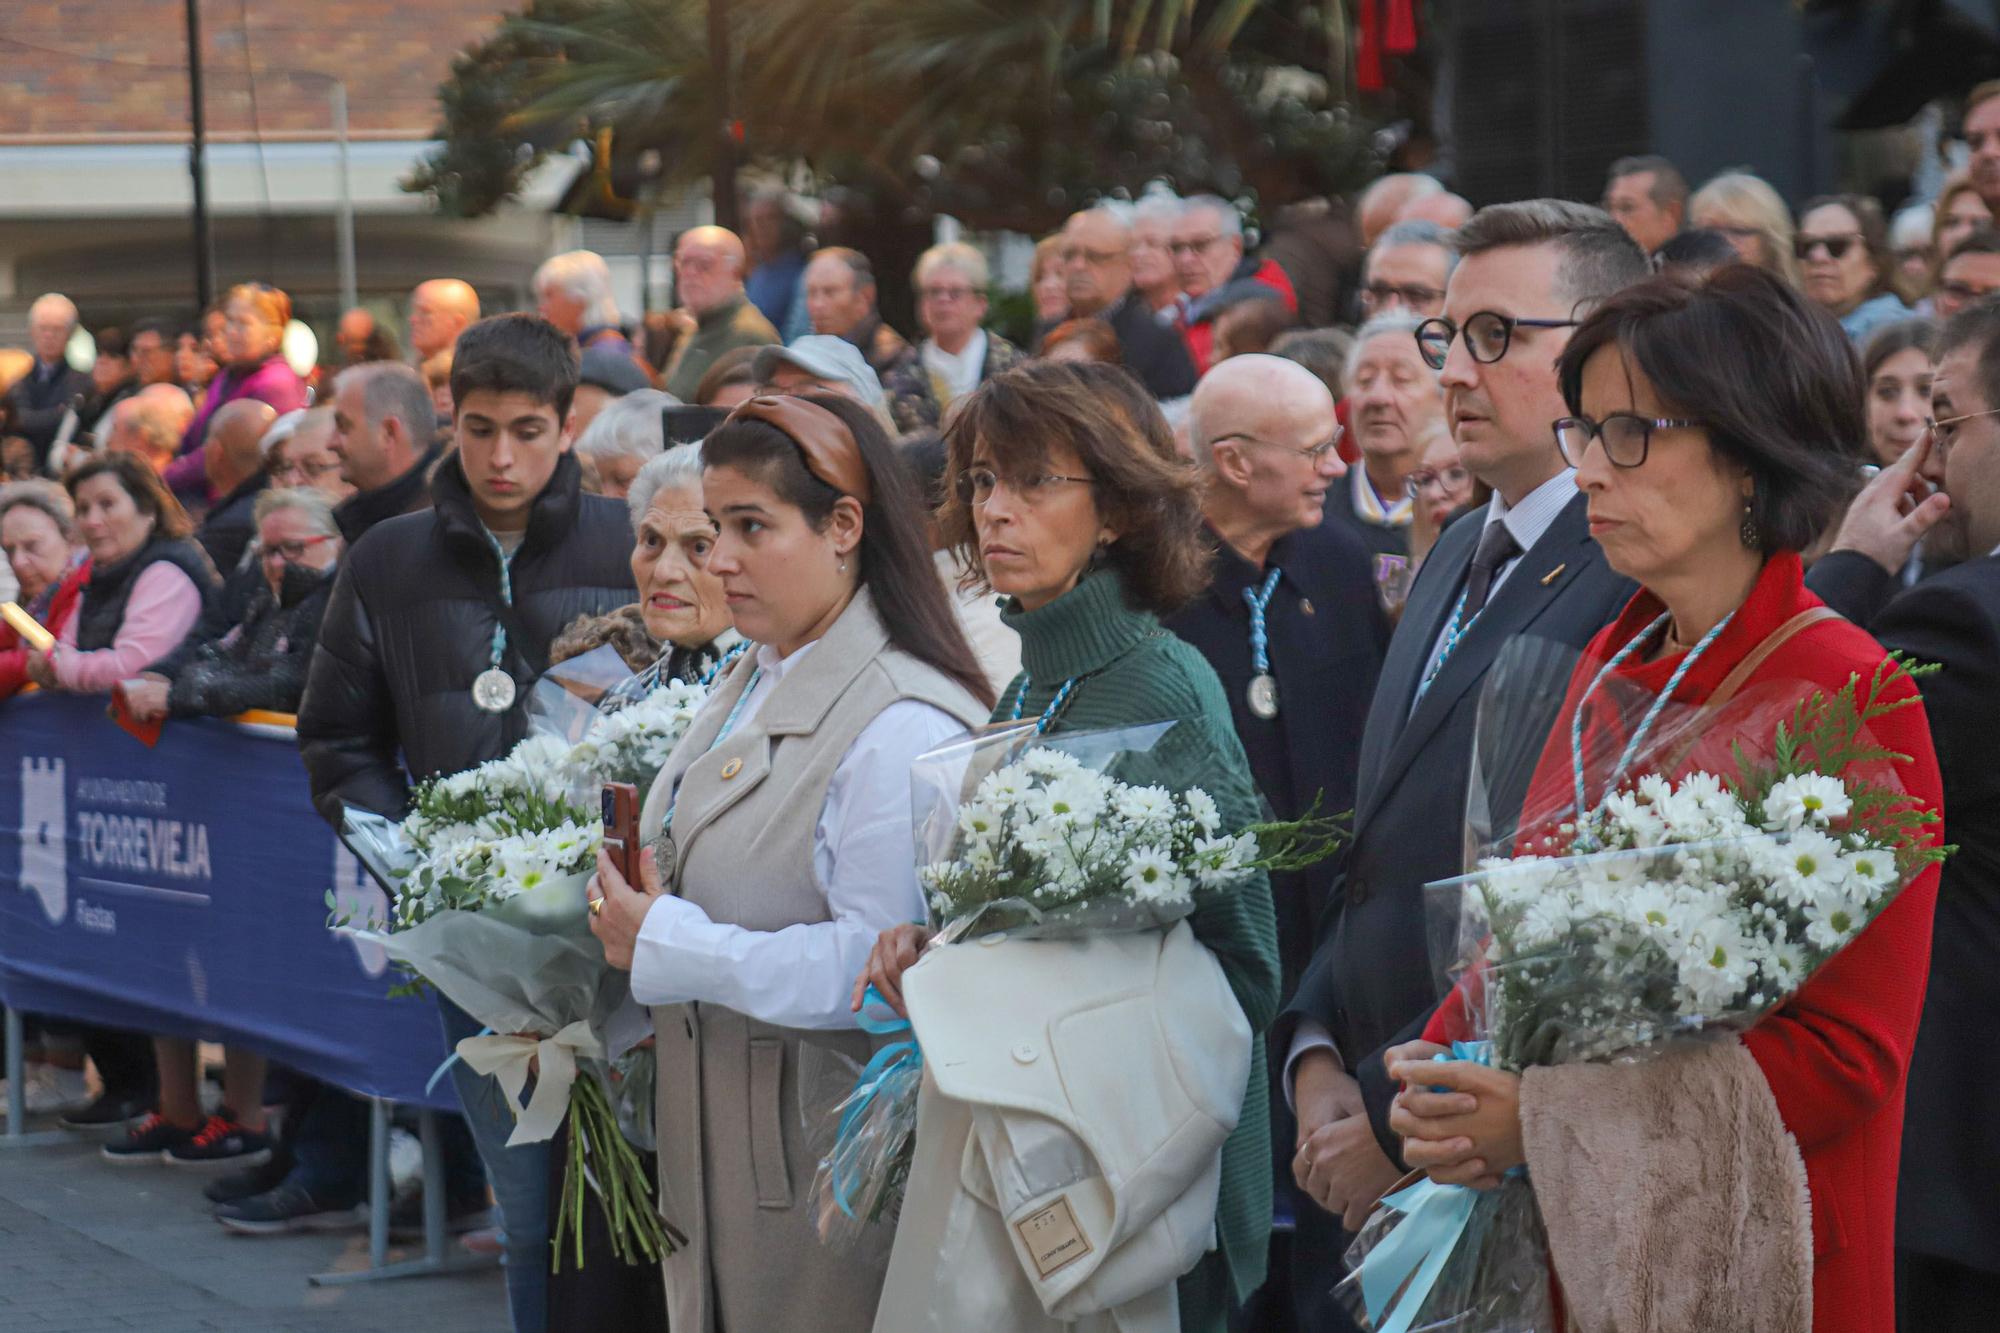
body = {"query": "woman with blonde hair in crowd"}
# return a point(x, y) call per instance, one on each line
point(1959, 212)
point(1048, 286)
point(1753, 216)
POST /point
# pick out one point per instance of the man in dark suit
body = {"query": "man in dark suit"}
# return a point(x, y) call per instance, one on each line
point(1947, 1232)
point(1523, 566)
point(1292, 625)
point(1096, 256)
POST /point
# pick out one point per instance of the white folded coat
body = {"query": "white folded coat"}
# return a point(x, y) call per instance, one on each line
point(1076, 1097)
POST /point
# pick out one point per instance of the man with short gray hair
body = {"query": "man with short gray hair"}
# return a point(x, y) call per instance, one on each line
point(38, 400)
point(1648, 196)
point(150, 424)
point(573, 292)
point(1097, 268)
point(384, 433)
point(1215, 274)
point(1406, 269)
point(840, 301)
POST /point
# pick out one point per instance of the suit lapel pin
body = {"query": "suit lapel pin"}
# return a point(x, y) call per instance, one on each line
point(1554, 574)
point(1305, 606)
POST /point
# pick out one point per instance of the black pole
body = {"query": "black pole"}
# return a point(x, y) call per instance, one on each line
point(723, 178)
point(204, 242)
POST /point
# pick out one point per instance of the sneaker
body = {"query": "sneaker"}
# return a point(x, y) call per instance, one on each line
point(406, 1218)
point(239, 1185)
point(222, 1142)
point(49, 1088)
point(288, 1207)
point(109, 1111)
point(148, 1141)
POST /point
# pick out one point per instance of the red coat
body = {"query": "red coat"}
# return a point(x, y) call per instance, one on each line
point(1836, 1055)
point(14, 653)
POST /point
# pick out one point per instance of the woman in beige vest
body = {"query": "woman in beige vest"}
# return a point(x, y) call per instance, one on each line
point(784, 848)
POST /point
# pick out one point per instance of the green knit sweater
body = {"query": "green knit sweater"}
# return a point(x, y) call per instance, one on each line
point(1128, 670)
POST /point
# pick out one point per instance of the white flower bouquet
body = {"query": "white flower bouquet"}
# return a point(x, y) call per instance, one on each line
point(1027, 837)
point(486, 880)
point(1690, 902)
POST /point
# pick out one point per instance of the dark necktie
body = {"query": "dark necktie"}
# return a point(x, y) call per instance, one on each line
point(1496, 547)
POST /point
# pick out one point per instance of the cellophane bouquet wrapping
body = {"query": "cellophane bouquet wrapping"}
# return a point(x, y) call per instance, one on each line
point(1696, 887)
point(486, 879)
point(1036, 837)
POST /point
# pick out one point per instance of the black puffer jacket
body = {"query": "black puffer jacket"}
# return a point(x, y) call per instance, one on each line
point(411, 624)
point(259, 662)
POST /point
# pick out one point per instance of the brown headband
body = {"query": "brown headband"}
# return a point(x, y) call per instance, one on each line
point(829, 447)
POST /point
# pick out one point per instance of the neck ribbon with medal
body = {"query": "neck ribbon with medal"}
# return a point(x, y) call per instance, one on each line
point(1048, 716)
point(1263, 692)
point(493, 689)
point(1631, 751)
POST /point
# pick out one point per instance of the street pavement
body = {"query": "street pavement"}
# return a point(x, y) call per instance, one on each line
point(86, 1246)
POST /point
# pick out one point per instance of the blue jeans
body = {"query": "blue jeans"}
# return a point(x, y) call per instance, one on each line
point(519, 1177)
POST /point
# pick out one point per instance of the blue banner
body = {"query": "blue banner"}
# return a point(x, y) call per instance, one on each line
point(181, 890)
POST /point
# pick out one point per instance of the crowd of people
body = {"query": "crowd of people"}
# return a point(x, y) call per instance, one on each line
point(1296, 506)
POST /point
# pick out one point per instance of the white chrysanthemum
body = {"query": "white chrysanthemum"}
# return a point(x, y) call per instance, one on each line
point(1814, 858)
point(1003, 787)
point(1870, 871)
point(1070, 801)
point(1803, 799)
point(1832, 920)
point(1047, 763)
point(1201, 809)
point(979, 822)
point(1632, 821)
point(1150, 876)
point(1545, 920)
point(1145, 805)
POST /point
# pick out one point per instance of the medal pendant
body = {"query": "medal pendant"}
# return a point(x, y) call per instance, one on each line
point(493, 690)
point(1263, 696)
point(665, 855)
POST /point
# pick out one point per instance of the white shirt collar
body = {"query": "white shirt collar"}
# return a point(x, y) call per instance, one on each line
point(775, 666)
point(959, 370)
point(1538, 510)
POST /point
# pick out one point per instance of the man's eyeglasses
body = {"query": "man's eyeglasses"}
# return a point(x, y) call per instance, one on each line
point(290, 552)
point(1944, 433)
point(1488, 335)
point(1194, 247)
point(1378, 295)
point(1836, 247)
point(1443, 480)
point(1627, 436)
point(976, 485)
point(1311, 453)
point(947, 295)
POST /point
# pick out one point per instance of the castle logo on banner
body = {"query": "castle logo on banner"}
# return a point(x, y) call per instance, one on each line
point(44, 847)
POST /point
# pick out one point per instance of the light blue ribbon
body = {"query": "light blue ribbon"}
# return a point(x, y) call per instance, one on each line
point(874, 1082)
point(1434, 1219)
point(449, 1061)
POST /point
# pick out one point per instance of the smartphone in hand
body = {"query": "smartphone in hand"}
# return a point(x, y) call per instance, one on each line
point(621, 830)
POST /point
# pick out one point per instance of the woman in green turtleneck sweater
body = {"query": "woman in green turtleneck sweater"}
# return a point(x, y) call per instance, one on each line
point(1070, 499)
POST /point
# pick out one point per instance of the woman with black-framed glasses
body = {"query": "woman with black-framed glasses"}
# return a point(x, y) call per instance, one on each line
point(1706, 475)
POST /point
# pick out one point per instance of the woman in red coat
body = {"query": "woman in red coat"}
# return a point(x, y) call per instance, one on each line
point(38, 535)
point(1715, 430)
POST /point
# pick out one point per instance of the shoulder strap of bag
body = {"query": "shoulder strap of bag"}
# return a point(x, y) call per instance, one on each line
point(1757, 656)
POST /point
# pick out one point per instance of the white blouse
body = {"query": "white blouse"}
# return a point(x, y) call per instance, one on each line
point(863, 861)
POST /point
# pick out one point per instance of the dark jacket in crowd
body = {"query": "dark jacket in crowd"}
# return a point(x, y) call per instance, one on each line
point(1326, 634)
point(1370, 980)
point(1950, 1175)
point(1154, 352)
point(407, 494)
point(231, 525)
point(411, 623)
point(258, 662)
point(906, 387)
point(36, 403)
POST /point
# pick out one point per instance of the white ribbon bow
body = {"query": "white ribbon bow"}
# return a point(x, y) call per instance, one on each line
point(507, 1058)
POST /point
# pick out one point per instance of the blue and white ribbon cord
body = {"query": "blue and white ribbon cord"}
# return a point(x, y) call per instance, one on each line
point(1583, 808)
point(1452, 634)
point(1055, 705)
point(1260, 598)
point(886, 1075)
point(1415, 1253)
point(506, 596)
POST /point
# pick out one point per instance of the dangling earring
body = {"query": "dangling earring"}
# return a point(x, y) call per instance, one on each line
point(1748, 533)
point(843, 564)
